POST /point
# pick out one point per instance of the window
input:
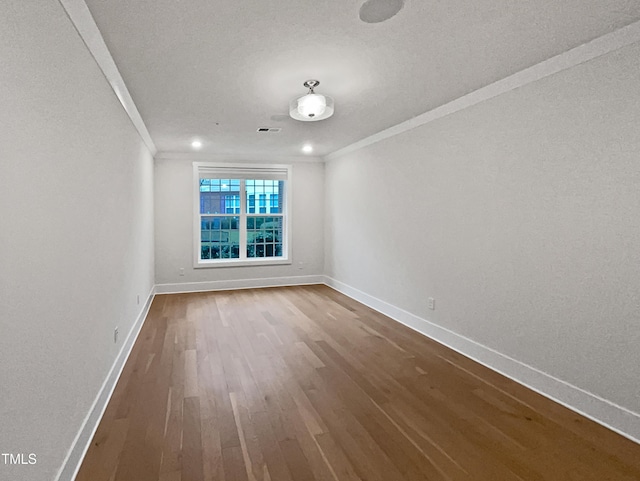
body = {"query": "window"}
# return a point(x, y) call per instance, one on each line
point(241, 214)
point(232, 204)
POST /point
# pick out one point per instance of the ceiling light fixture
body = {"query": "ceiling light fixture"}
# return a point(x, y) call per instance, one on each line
point(307, 149)
point(311, 107)
point(196, 144)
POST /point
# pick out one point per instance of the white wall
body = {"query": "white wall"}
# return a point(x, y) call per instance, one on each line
point(174, 227)
point(76, 235)
point(519, 215)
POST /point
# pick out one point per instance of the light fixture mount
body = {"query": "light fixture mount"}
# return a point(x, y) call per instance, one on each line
point(311, 107)
point(311, 84)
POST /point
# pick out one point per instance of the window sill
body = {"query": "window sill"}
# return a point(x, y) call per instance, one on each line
point(208, 264)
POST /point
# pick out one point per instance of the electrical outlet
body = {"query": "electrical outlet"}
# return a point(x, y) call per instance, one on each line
point(138, 299)
point(431, 303)
point(115, 335)
point(182, 271)
point(300, 265)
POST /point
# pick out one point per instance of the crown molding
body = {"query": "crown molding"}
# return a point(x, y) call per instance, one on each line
point(85, 25)
point(571, 58)
point(213, 157)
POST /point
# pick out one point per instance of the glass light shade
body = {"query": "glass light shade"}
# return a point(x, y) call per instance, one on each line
point(312, 105)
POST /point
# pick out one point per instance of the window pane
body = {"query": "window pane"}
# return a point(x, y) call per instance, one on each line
point(205, 185)
point(219, 196)
point(264, 236)
point(232, 204)
point(220, 237)
point(223, 222)
point(269, 194)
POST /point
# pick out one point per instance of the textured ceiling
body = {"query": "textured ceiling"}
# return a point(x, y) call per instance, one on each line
point(219, 70)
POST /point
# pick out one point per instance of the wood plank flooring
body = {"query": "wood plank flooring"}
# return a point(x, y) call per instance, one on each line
point(303, 384)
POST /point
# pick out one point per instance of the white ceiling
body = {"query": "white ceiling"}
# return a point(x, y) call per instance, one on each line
point(219, 70)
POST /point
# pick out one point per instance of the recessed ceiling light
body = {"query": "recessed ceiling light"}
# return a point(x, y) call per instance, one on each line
point(196, 144)
point(307, 149)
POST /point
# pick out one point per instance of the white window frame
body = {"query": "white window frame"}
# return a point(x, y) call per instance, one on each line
point(231, 169)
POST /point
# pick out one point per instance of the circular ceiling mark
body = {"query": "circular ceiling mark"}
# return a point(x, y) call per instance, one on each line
point(376, 11)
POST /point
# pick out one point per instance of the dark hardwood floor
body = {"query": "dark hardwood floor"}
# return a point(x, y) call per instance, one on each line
point(303, 383)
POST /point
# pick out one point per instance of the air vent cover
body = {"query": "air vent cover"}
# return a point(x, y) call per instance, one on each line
point(273, 130)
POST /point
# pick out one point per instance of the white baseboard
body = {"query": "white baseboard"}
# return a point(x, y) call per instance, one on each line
point(81, 443)
point(604, 412)
point(238, 284)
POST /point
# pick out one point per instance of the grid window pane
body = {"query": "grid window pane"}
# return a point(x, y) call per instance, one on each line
point(273, 204)
point(220, 237)
point(232, 204)
point(219, 196)
point(269, 194)
point(264, 236)
point(226, 218)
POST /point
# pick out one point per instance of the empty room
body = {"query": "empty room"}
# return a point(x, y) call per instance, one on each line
point(368, 240)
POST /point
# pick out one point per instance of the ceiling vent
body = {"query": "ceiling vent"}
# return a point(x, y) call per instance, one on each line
point(273, 130)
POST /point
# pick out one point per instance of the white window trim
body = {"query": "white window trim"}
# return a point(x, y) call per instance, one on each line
point(259, 261)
